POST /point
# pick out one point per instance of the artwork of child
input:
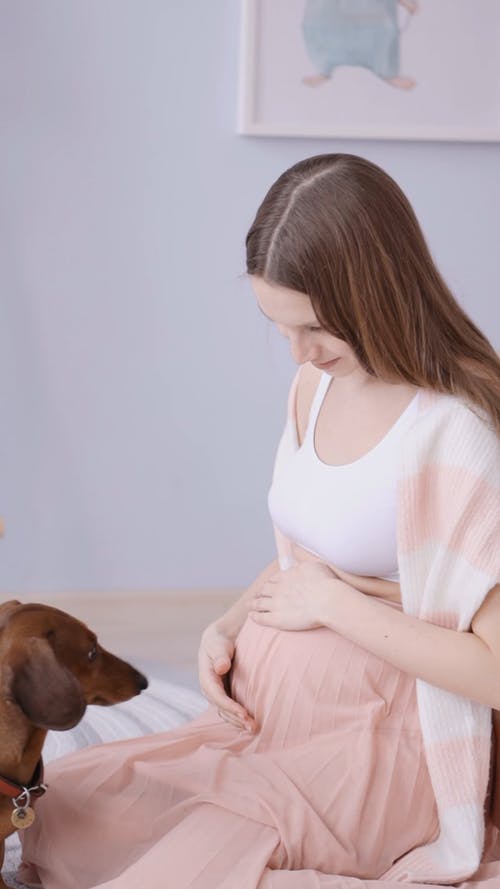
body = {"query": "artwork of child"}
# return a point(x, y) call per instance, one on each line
point(364, 33)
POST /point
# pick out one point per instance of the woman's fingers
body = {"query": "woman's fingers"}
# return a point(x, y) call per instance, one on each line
point(260, 603)
point(215, 658)
point(268, 619)
point(212, 685)
point(221, 665)
point(232, 712)
point(232, 720)
point(220, 652)
point(246, 725)
point(213, 688)
point(229, 709)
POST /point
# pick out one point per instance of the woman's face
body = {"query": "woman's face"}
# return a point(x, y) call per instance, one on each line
point(294, 316)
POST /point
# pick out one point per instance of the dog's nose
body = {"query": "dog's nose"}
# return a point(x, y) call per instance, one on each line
point(141, 681)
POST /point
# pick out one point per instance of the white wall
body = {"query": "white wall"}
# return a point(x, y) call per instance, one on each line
point(142, 394)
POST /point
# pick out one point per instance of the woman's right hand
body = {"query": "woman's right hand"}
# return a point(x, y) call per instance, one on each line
point(215, 657)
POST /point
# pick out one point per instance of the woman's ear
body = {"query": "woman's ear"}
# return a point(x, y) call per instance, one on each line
point(47, 692)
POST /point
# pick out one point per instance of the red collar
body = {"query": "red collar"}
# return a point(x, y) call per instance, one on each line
point(36, 788)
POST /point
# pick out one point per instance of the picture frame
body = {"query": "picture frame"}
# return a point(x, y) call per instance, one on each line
point(363, 53)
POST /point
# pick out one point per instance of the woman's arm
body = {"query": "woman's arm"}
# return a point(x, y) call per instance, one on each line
point(216, 654)
point(467, 664)
point(372, 586)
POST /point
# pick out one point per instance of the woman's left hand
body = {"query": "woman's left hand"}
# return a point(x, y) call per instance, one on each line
point(296, 599)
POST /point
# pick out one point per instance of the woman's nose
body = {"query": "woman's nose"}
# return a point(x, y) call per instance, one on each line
point(300, 348)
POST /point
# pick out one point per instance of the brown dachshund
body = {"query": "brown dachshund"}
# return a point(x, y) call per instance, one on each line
point(51, 667)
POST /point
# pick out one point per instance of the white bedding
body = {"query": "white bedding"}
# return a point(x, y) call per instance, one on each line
point(164, 705)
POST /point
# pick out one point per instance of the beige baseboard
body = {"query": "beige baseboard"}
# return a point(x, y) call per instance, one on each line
point(157, 625)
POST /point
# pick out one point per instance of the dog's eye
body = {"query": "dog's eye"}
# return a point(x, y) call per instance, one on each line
point(92, 654)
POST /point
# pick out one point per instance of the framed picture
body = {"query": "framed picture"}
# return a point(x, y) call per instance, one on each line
point(371, 69)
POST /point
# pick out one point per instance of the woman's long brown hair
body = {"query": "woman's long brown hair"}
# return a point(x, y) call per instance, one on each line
point(338, 228)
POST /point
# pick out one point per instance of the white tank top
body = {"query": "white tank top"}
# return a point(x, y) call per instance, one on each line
point(344, 514)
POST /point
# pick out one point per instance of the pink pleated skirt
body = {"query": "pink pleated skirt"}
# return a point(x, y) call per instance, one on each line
point(335, 782)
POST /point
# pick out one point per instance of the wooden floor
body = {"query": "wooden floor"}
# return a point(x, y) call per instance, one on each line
point(161, 628)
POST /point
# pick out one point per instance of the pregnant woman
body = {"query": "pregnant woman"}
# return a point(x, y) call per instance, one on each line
point(349, 739)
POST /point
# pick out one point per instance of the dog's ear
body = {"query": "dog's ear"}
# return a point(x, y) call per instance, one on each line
point(45, 690)
point(6, 608)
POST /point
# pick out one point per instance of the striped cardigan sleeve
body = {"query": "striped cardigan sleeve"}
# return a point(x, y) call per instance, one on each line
point(448, 555)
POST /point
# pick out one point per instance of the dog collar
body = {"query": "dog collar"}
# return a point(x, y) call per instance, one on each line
point(16, 791)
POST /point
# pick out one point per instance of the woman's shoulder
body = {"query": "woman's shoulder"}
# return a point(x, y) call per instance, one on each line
point(452, 428)
point(434, 406)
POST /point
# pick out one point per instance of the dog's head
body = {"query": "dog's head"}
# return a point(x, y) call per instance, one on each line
point(52, 666)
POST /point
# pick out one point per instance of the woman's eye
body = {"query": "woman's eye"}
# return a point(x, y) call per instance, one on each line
point(92, 654)
point(311, 328)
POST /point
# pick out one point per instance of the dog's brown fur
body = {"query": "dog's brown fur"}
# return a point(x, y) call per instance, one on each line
point(51, 667)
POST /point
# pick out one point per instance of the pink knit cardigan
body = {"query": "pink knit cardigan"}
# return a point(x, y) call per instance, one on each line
point(448, 531)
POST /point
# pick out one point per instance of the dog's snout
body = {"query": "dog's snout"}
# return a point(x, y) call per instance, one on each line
point(141, 681)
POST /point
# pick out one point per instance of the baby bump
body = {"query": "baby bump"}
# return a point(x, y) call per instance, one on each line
point(298, 684)
point(343, 726)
